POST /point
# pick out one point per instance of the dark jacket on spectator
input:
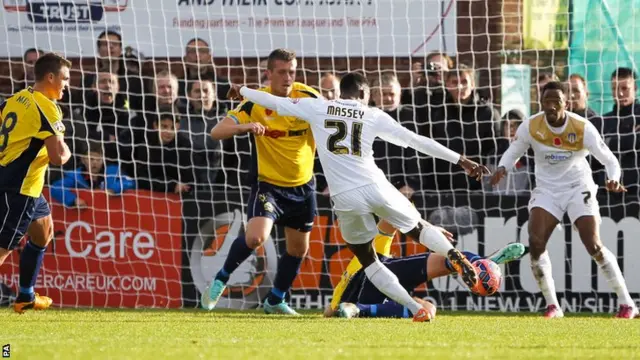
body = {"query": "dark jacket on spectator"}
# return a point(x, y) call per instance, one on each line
point(197, 126)
point(400, 165)
point(620, 134)
point(469, 130)
point(519, 180)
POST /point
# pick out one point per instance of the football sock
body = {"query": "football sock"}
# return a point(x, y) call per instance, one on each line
point(611, 270)
point(468, 254)
point(288, 268)
point(435, 240)
point(30, 262)
point(541, 269)
point(390, 309)
point(238, 253)
point(387, 282)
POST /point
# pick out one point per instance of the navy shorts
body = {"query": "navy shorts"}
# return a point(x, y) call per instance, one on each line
point(293, 207)
point(16, 213)
point(410, 270)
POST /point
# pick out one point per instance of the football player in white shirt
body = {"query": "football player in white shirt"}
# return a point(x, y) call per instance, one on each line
point(344, 131)
point(561, 140)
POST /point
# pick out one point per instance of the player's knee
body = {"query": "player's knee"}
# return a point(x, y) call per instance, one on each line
point(594, 248)
point(297, 248)
point(255, 241)
point(537, 245)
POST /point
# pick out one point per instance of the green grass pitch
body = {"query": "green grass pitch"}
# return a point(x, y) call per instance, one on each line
point(191, 334)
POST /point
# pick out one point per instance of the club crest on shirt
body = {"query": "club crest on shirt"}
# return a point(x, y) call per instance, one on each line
point(572, 138)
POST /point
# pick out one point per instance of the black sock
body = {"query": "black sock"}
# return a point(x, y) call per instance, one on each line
point(238, 253)
point(288, 268)
point(30, 262)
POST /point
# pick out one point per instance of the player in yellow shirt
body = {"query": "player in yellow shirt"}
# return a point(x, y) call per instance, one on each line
point(355, 296)
point(282, 188)
point(31, 136)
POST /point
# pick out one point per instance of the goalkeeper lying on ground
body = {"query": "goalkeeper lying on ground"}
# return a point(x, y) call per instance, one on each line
point(355, 296)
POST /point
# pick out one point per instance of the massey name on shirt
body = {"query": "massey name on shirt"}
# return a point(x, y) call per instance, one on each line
point(345, 112)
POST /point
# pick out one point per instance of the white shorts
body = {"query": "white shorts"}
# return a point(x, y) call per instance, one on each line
point(355, 209)
point(577, 202)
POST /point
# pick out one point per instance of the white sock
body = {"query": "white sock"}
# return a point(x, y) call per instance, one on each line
point(542, 273)
point(435, 240)
point(611, 270)
point(388, 284)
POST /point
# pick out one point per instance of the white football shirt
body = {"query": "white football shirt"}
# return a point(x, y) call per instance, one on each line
point(560, 153)
point(344, 132)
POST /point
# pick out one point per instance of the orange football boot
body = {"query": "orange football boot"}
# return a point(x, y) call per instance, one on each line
point(38, 303)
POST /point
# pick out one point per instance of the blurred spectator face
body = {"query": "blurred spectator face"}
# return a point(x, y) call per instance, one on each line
point(93, 162)
point(330, 87)
point(461, 86)
point(553, 105)
point(624, 91)
point(109, 46)
point(282, 76)
point(387, 96)
point(166, 90)
point(197, 53)
point(510, 128)
point(30, 60)
point(577, 95)
point(166, 129)
point(437, 66)
point(107, 87)
point(202, 95)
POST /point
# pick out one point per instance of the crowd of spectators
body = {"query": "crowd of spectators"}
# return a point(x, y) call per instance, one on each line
point(154, 134)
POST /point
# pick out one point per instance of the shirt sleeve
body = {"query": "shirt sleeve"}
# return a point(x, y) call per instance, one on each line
point(49, 120)
point(517, 148)
point(299, 107)
point(391, 131)
point(596, 146)
point(242, 113)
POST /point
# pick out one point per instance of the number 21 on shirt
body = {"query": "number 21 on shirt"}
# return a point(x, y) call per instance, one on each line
point(340, 134)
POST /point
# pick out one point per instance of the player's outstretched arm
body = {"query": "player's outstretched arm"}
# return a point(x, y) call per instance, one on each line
point(596, 146)
point(57, 149)
point(228, 128)
point(300, 108)
point(516, 149)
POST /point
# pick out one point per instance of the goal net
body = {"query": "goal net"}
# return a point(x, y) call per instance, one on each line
point(156, 224)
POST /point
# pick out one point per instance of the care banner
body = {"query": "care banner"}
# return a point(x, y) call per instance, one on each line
point(118, 252)
point(233, 28)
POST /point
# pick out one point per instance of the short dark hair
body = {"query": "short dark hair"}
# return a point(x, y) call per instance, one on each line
point(554, 85)
point(91, 147)
point(579, 77)
point(30, 50)
point(49, 63)
point(623, 73)
point(352, 83)
point(433, 54)
point(166, 116)
point(108, 32)
point(513, 114)
point(195, 39)
point(190, 84)
point(280, 54)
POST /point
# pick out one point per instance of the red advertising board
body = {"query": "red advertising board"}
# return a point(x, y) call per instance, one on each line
point(121, 251)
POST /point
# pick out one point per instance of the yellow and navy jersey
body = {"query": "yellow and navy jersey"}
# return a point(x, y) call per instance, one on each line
point(284, 156)
point(26, 120)
point(382, 245)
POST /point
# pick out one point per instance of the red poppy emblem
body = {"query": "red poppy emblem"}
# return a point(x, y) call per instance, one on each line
point(268, 112)
point(557, 141)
